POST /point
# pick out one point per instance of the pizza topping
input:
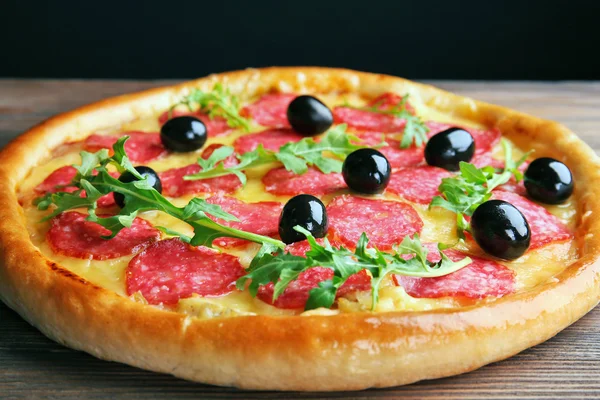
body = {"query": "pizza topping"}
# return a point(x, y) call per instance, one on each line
point(175, 184)
point(283, 270)
point(366, 171)
point(390, 148)
point(183, 134)
point(141, 147)
point(500, 229)
point(419, 184)
point(60, 181)
point(95, 180)
point(271, 139)
point(481, 278)
point(448, 148)
point(463, 193)
point(295, 157)
point(270, 110)
point(72, 235)
point(305, 211)
point(387, 118)
point(297, 293)
point(214, 126)
point(261, 218)
point(146, 173)
point(281, 182)
point(171, 270)
point(385, 223)
point(309, 116)
point(485, 140)
point(545, 227)
point(218, 103)
point(549, 181)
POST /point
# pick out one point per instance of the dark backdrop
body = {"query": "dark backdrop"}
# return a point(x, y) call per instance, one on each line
point(535, 39)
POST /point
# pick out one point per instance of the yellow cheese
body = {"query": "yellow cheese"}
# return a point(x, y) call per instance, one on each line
point(535, 268)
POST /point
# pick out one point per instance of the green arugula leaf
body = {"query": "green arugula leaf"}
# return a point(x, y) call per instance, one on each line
point(295, 157)
point(282, 268)
point(139, 196)
point(219, 102)
point(473, 186)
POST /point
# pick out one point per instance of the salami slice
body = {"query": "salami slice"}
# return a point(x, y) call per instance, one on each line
point(485, 140)
point(216, 126)
point(300, 248)
point(419, 184)
point(141, 147)
point(261, 218)
point(170, 270)
point(281, 182)
point(396, 156)
point(270, 110)
point(271, 139)
point(62, 177)
point(389, 100)
point(545, 227)
point(481, 278)
point(368, 120)
point(296, 294)
point(71, 235)
point(174, 185)
point(512, 185)
point(385, 222)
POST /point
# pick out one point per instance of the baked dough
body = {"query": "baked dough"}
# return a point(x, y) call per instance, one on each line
point(309, 352)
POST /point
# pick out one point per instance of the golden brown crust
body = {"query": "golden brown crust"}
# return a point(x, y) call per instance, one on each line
point(340, 352)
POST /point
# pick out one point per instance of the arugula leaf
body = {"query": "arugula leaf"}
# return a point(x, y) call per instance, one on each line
point(140, 196)
point(463, 193)
point(415, 130)
point(295, 157)
point(282, 268)
point(219, 102)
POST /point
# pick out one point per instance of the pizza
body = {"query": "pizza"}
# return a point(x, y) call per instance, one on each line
point(299, 229)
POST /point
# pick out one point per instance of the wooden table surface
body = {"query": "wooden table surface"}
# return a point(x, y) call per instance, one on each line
point(31, 366)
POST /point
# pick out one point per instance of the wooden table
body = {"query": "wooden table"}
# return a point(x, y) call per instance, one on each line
point(31, 366)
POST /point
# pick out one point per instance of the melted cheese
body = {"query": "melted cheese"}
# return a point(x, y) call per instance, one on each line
point(533, 269)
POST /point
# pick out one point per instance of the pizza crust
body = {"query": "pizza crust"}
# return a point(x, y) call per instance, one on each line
point(315, 352)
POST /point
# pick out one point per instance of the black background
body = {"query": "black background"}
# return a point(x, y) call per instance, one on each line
point(417, 39)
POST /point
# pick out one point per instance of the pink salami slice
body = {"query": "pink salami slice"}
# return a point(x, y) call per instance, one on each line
point(419, 184)
point(545, 227)
point(485, 140)
point(270, 110)
point(279, 181)
point(216, 126)
point(385, 222)
point(300, 248)
point(396, 156)
point(296, 294)
point(271, 139)
point(140, 147)
point(481, 278)
point(368, 120)
point(261, 218)
point(170, 270)
point(174, 185)
point(71, 235)
point(61, 178)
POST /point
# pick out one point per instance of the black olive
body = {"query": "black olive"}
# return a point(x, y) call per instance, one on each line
point(183, 134)
point(366, 171)
point(448, 148)
point(500, 229)
point(548, 181)
point(306, 211)
point(147, 173)
point(308, 116)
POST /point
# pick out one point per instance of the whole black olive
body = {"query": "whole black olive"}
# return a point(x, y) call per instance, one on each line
point(147, 173)
point(548, 181)
point(366, 171)
point(309, 116)
point(448, 148)
point(306, 211)
point(183, 134)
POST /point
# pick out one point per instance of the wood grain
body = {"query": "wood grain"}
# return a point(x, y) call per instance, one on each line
point(31, 366)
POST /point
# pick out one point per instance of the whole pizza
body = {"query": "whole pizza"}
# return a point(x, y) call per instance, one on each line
point(299, 229)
